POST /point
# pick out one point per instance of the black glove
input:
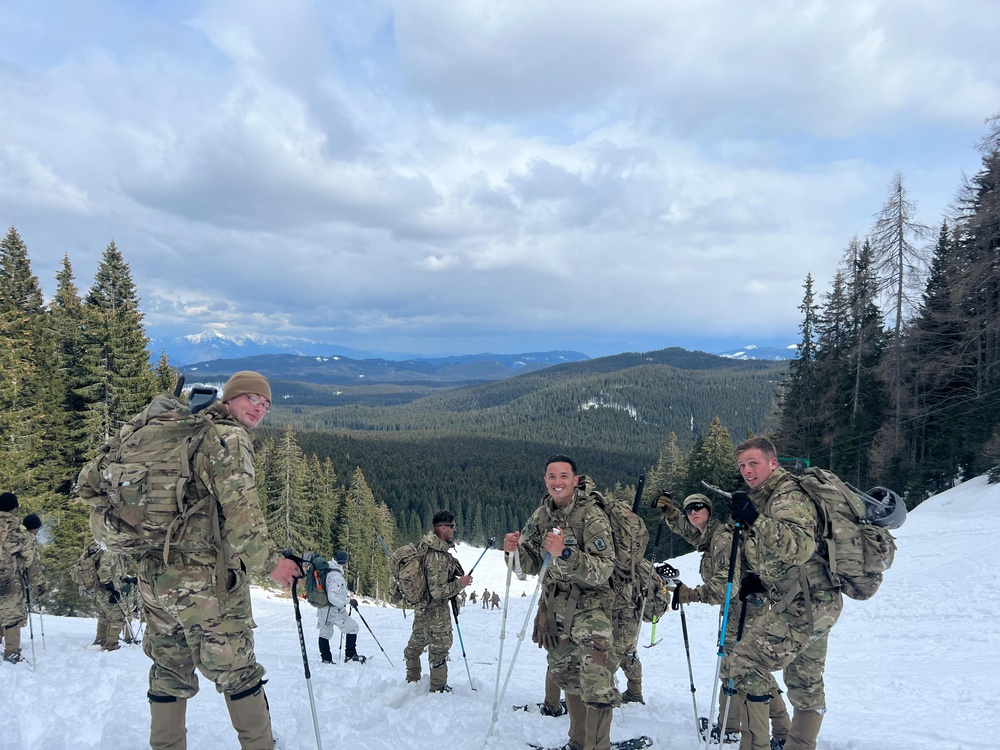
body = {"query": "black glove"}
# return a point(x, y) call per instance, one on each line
point(126, 587)
point(115, 597)
point(109, 586)
point(751, 586)
point(354, 603)
point(675, 600)
point(131, 579)
point(742, 509)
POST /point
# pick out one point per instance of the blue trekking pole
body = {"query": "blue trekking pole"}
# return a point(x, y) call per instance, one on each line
point(454, 611)
point(489, 545)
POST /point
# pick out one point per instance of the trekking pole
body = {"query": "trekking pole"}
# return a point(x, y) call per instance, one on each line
point(454, 611)
point(733, 552)
point(373, 635)
point(503, 629)
point(699, 727)
point(520, 640)
point(305, 657)
point(27, 595)
point(388, 556)
point(489, 545)
point(729, 687)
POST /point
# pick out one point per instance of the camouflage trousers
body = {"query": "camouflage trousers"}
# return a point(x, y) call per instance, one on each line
point(431, 630)
point(189, 626)
point(626, 637)
point(754, 608)
point(13, 606)
point(789, 640)
point(583, 661)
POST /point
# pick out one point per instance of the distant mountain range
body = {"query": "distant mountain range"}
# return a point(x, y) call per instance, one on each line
point(212, 344)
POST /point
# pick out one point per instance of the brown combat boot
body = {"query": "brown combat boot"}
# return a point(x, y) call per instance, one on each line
point(111, 642)
point(804, 731)
point(753, 718)
point(577, 711)
point(167, 730)
point(251, 718)
point(413, 670)
point(102, 632)
point(781, 722)
point(12, 645)
point(598, 726)
point(553, 696)
point(439, 677)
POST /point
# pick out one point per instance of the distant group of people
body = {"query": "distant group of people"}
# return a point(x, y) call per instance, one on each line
point(196, 605)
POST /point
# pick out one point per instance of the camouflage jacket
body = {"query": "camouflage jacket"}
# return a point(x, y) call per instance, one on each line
point(111, 568)
point(18, 552)
point(592, 561)
point(443, 571)
point(716, 546)
point(224, 466)
point(785, 535)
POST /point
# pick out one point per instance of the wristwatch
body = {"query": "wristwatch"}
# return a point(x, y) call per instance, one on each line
point(565, 553)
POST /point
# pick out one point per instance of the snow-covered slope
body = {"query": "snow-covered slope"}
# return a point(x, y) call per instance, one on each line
point(913, 669)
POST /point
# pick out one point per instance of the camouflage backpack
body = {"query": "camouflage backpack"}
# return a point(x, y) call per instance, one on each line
point(138, 485)
point(628, 533)
point(408, 577)
point(316, 570)
point(84, 571)
point(854, 551)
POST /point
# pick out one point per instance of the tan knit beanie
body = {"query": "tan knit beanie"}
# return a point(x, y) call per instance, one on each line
point(243, 382)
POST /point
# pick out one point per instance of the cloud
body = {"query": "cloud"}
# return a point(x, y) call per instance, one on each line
point(433, 176)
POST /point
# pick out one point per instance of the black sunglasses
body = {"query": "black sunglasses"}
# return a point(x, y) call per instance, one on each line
point(449, 525)
point(693, 507)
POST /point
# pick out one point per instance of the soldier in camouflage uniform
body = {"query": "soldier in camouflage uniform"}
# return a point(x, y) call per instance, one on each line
point(780, 548)
point(108, 597)
point(432, 617)
point(573, 622)
point(714, 539)
point(18, 555)
point(198, 616)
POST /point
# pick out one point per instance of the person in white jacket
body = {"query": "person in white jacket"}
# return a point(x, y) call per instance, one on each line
point(337, 613)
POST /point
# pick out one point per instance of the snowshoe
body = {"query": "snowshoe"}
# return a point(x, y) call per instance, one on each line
point(542, 708)
point(356, 657)
point(636, 743)
point(777, 744)
point(728, 738)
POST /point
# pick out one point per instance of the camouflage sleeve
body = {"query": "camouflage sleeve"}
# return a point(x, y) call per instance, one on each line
point(786, 532)
point(677, 522)
point(440, 583)
point(713, 590)
point(593, 562)
point(232, 483)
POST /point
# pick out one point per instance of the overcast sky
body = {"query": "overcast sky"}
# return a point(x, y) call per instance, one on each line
point(484, 175)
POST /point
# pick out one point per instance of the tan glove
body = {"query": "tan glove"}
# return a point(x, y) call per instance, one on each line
point(664, 501)
point(545, 632)
point(684, 595)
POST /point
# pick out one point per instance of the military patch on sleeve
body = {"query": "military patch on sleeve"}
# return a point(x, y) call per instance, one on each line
point(600, 544)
